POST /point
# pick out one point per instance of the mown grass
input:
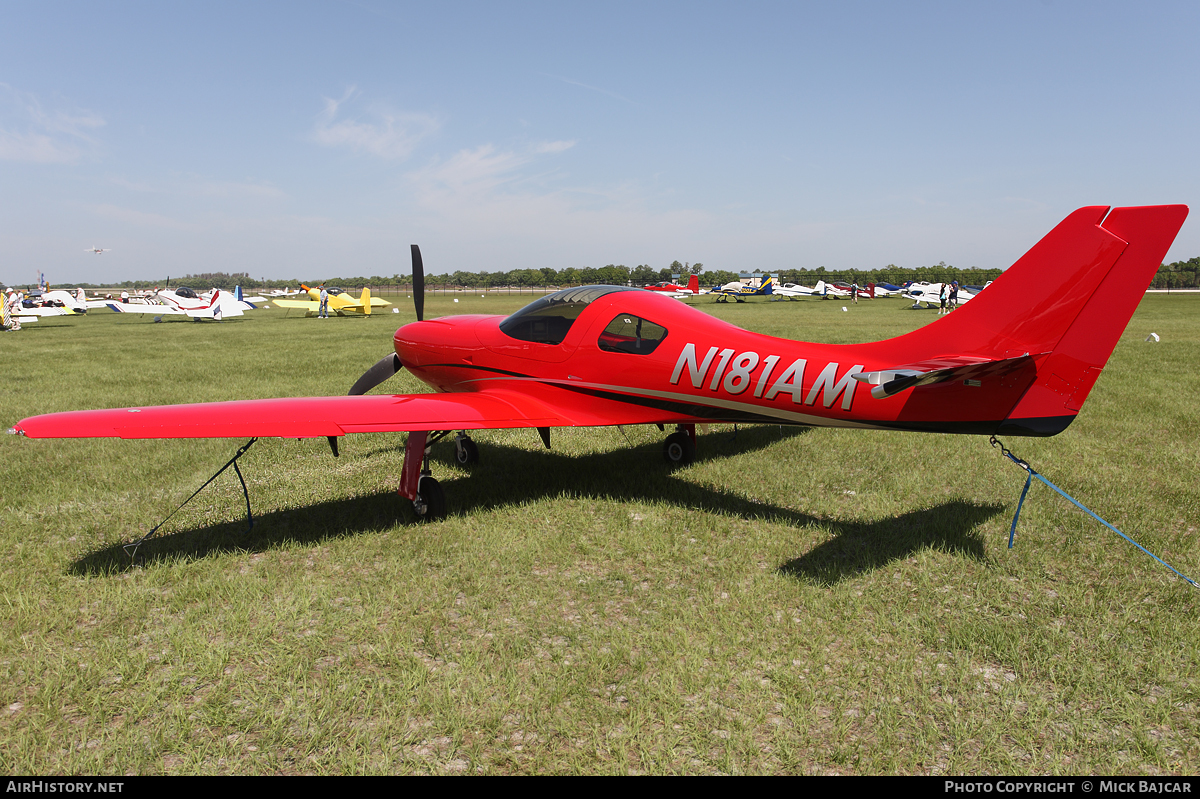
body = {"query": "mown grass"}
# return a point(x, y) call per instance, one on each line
point(796, 601)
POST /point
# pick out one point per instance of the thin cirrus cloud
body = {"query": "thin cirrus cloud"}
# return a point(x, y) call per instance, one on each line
point(30, 134)
point(384, 134)
point(482, 168)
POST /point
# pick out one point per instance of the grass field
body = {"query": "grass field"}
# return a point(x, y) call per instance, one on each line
point(796, 601)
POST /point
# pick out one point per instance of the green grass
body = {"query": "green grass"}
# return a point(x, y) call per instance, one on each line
point(796, 601)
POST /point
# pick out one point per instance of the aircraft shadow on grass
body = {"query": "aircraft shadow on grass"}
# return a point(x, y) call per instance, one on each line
point(512, 476)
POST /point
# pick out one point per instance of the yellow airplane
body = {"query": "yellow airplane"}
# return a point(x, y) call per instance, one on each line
point(340, 302)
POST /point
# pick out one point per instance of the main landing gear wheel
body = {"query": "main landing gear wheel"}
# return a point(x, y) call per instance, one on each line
point(430, 503)
point(465, 451)
point(678, 449)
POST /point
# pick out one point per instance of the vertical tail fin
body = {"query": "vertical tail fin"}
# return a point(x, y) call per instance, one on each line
point(366, 300)
point(694, 284)
point(1067, 375)
point(1064, 304)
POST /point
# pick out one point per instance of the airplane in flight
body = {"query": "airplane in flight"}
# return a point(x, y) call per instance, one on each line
point(1016, 361)
point(340, 302)
point(97, 250)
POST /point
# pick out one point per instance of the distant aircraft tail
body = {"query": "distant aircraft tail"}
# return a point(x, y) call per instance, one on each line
point(694, 284)
point(768, 286)
point(1049, 322)
point(871, 290)
point(366, 301)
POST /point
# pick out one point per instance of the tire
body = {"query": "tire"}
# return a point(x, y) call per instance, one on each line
point(678, 449)
point(430, 503)
point(466, 453)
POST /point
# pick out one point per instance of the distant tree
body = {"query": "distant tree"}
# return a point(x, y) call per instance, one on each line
point(643, 274)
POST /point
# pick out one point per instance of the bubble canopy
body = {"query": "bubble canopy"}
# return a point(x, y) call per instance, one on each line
point(547, 320)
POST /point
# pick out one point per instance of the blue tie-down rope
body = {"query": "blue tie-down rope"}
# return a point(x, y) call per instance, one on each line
point(1012, 531)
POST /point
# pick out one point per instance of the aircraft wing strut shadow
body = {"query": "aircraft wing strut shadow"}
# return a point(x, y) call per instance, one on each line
point(1011, 362)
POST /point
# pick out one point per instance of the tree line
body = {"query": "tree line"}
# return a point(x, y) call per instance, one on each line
point(1180, 274)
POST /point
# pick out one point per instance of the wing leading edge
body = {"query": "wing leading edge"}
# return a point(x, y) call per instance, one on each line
point(303, 417)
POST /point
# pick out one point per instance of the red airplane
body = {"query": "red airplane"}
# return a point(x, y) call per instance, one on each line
point(1014, 361)
point(693, 287)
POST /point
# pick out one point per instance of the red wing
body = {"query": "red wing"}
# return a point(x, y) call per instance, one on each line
point(301, 417)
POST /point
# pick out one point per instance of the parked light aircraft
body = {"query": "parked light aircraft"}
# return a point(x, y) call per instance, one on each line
point(1019, 360)
point(49, 303)
point(340, 302)
point(674, 290)
point(186, 302)
point(931, 293)
point(740, 292)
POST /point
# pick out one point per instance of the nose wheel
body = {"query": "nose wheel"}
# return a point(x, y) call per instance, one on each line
point(465, 451)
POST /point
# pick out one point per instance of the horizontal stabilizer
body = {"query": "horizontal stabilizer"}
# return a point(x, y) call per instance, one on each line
point(890, 382)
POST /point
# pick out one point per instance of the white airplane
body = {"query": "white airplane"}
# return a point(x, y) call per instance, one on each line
point(887, 290)
point(45, 303)
point(930, 294)
point(96, 250)
point(792, 291)
point(186, 302)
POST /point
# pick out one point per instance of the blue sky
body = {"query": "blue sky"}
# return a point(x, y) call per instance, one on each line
point(311, 139)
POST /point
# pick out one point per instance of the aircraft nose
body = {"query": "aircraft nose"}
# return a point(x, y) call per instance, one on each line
point(436, 341)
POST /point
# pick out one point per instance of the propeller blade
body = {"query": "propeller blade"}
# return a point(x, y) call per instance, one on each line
point(418, 282)
point(384, 368)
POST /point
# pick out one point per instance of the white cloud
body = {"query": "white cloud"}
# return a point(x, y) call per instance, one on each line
point(140, 218)
point(554, 146)
point(30, 134)
point(389, 134)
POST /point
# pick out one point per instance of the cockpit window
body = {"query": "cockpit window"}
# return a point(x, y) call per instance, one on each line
point(184, 291)
point(547, 321)
point(631, 334)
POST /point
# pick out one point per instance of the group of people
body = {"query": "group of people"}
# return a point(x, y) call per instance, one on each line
point(948, 297)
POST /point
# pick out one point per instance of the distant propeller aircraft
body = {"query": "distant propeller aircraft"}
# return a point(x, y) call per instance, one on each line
point(97, 250)
point(1015, 361)
point(740, 292)
point(340, 302)
point(675, 290)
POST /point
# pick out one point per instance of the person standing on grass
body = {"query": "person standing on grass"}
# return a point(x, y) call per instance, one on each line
point(854, 292)
point(323, 312)
point(942, 299)
point(953, 295)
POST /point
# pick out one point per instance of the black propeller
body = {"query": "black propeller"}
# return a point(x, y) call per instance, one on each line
point(388, 365)
point(384, 368)
point(418, 282)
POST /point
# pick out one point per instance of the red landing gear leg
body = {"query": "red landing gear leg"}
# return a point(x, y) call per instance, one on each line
point(416, 481)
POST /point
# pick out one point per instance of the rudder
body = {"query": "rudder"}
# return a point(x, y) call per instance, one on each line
point(1066, 376)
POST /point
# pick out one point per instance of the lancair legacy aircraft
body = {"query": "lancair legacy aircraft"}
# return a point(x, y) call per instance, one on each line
point(1013, 362)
